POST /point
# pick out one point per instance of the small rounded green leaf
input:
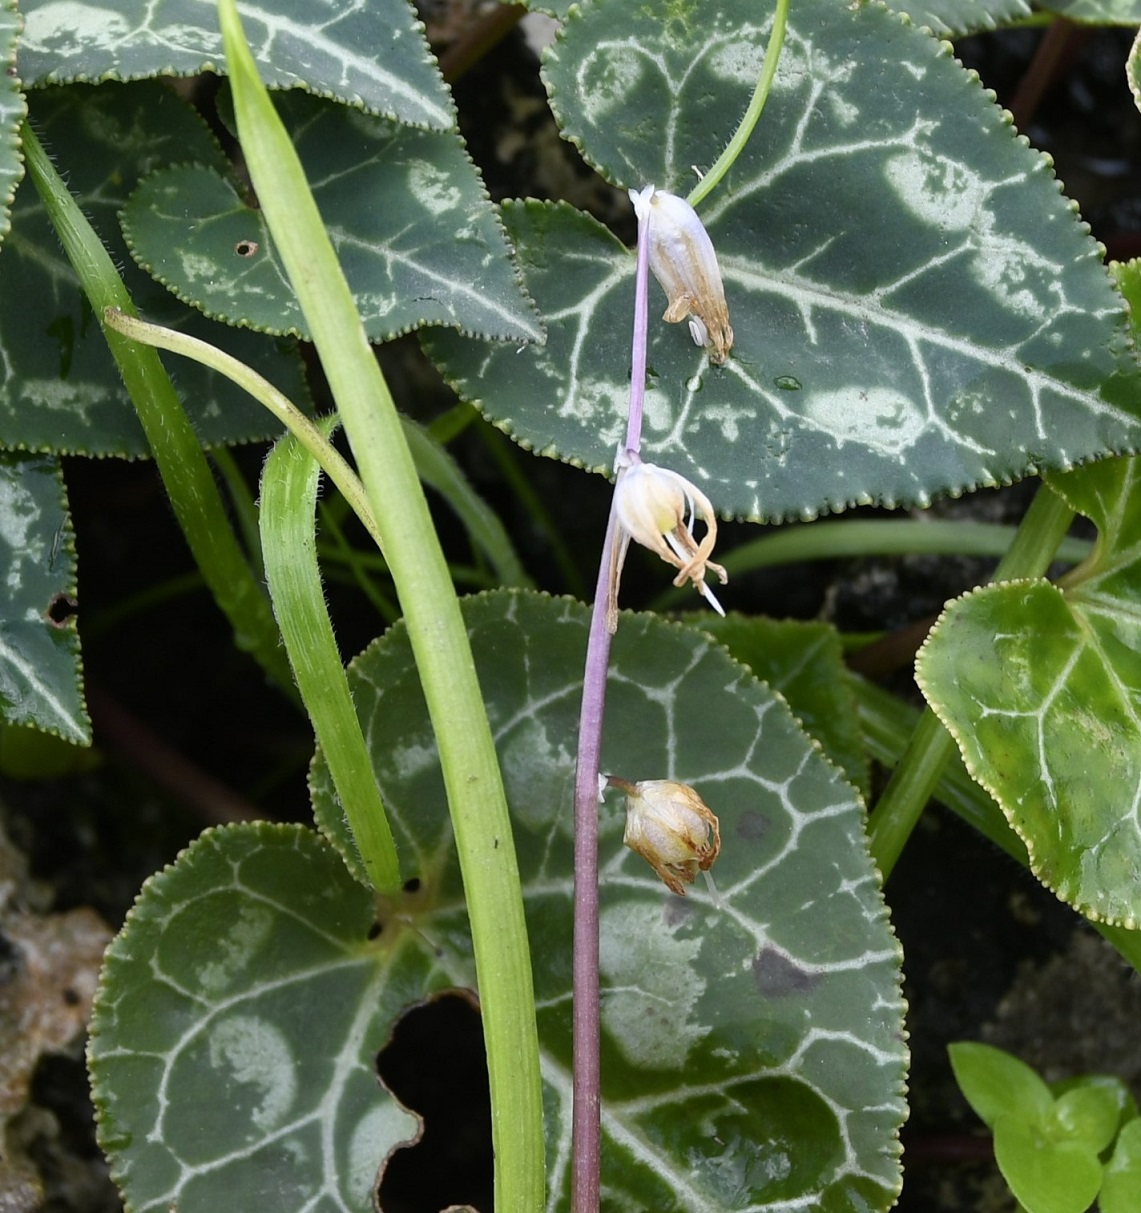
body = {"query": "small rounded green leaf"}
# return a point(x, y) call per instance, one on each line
point(63, 392)
point(1089, 1114)
point(751, 1047)
point(372, 53)
point(917, 310)
point(1121, 1186)
point(997, 1084)
point(40, 673)
point(417, 236)
point(1047, 1176)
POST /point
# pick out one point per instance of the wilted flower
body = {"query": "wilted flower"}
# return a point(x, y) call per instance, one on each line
point(657, 508)
point(671, 827)
point(684, 263)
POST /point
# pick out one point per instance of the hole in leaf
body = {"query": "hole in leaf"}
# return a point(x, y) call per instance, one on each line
point(246, 248)
point(435, 1065)
point(413, 885)
point(61, 609)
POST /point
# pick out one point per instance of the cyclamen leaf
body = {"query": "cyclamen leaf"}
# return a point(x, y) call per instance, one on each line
point(752, 1054)
point(40, 678)
point(804, 662)
point(62, 391)
point(916, 309)
point(954, 18)
point(1097, 12)
point(12, 109)
point(367, 52)
point(1041, 690)
point(943, 17)
point(235, 1030)
point(418, 237)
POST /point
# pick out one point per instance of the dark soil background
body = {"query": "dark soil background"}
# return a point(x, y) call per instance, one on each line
point(187, 733)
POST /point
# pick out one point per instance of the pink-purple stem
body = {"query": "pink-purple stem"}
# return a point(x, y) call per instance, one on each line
point(586, 1127)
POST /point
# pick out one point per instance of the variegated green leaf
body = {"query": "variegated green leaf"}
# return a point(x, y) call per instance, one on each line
point(943, 17)
point(234, 1035)
point(1097, 12)
point(418, 238)
point(753, 1047)
point(917, 310)
point(365, 52)
point(805, 663)
point(61, 390)
point(1041, 688)
point(40, 679)
point(12, 110)
point(955, 18)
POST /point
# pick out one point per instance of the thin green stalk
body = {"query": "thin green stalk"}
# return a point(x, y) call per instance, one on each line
point(359, 565)
point(294, 420)
point(752, 115)
point(243, 504)
point(844, 538)
point(503, 452)
point(476, 800)
point(185, 473)
point(913, 781)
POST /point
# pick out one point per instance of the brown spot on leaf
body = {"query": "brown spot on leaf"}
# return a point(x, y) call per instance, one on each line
point(777, 976)
point(753, 825)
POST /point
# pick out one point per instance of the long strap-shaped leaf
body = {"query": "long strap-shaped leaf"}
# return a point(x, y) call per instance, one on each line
point(474, 785)
point(186, 475)
point(288, 500)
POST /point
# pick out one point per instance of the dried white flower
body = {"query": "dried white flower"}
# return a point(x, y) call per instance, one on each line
point(671, 827)
point(657, 508)
point(684, 263)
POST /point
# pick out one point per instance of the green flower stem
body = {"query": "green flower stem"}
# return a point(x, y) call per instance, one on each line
point(436, 630)
point(304, 430)
point(433, 464)
point(185, 473)
point(844, 538)
point(752, 115)
point(289, 499)
point(913, 781)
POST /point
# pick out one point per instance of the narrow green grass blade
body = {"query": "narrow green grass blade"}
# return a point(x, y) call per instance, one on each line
point(288, 501)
